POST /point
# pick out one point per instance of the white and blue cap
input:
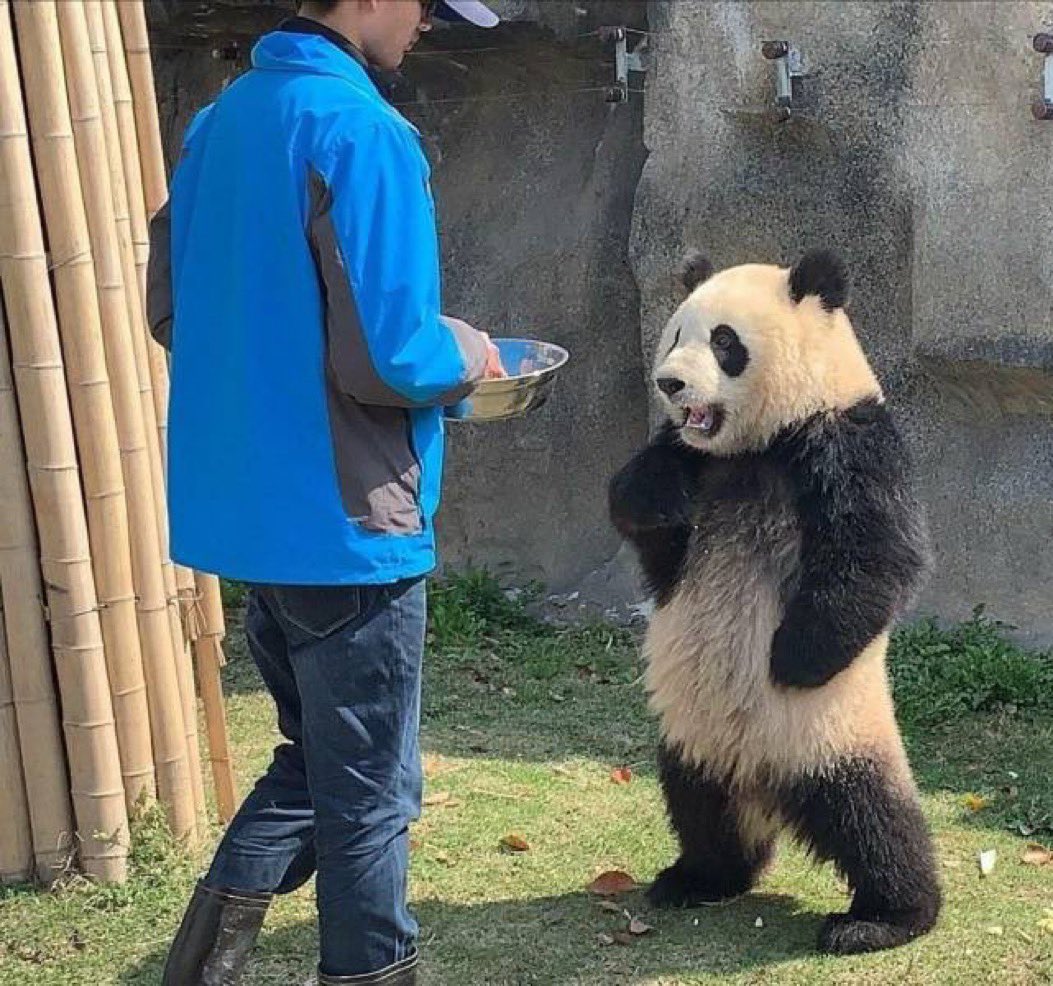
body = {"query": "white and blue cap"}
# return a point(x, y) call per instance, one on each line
point(471, 11)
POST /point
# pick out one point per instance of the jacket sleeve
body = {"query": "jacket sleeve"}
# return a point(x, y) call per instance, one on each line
point(372, 231)
point(160, 299)
point(159, 277)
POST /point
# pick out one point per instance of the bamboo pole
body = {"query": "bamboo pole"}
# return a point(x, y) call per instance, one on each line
point(128, 142)
point(187, 592)
point(16, 839)
point(125, 109)
point(91, 737)
point(122, 103)
point(176, 772)
point(136, 41)
point(208, 649)
point(26, 636)
point(117, 135)
point(51, 131)
point(141, 71)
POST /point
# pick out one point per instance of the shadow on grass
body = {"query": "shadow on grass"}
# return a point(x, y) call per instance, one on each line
point(555, 940)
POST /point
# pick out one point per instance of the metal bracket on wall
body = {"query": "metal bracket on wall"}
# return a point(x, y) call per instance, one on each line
point(789, 70)
point(229, 52)
point(637, 60)
point(1042, 108)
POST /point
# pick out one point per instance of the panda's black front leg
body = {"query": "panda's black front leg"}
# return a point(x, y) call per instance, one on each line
point(651, 504)
point(863, 546)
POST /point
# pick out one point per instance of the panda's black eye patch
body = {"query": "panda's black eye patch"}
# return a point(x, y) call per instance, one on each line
point(732, 355)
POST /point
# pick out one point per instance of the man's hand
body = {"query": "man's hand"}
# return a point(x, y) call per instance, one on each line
point(494, 368)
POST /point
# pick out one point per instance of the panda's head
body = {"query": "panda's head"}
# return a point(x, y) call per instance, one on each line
point(756, 348)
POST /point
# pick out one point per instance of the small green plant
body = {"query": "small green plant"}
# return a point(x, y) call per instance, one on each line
point(233, 593)
point(464, 609)
point(940, 675)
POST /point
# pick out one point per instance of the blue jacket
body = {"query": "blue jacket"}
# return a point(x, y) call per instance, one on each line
point(294, 274)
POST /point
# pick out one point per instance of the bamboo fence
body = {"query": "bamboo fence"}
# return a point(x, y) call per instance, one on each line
point(99, 631)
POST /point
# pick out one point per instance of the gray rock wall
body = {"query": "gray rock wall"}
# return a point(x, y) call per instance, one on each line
point(911, 149)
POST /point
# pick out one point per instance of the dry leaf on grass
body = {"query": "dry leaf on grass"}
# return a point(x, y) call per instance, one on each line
point(609, 905)
point(622, 937)
point(435, 764)
point(621, 775)
point(638, 927)
point(1046, 924)
point(1036, 855)
point(515, 843)
point(995, 929)
point(612, 882)
point(988, 858)
point(604, 939)
point(975, 802)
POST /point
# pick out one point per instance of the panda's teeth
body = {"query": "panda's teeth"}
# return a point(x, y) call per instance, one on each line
point(700, 417)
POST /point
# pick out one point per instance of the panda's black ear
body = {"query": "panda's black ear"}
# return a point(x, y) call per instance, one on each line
point(820, 273)
point(694, 269)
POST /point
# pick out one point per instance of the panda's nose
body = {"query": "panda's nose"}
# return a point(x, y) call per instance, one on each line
point(670, 385)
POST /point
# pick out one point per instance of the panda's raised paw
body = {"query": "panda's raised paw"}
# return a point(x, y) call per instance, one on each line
point(639, 502)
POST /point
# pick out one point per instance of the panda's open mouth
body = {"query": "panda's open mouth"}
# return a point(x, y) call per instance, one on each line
point(705, 419)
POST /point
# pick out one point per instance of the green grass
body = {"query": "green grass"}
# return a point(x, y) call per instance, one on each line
point(522, 726)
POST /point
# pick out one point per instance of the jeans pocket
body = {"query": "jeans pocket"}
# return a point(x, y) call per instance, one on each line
point(318, 612)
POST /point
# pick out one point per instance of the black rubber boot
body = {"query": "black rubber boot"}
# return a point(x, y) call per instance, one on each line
point(403, 973)
point(215, 938)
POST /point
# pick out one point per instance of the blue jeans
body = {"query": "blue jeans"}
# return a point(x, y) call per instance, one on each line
point(344, 667)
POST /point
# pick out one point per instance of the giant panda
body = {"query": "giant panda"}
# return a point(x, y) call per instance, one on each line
point(776, 528)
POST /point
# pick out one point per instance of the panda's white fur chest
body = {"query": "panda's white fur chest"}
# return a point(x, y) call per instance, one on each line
point(708, 652)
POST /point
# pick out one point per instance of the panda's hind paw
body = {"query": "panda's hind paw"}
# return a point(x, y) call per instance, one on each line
point(843, 934)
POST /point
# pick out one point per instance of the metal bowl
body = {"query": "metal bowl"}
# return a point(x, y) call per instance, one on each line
point(532, 369)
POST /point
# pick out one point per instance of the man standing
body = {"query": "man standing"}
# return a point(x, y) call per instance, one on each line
point(294, 276)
